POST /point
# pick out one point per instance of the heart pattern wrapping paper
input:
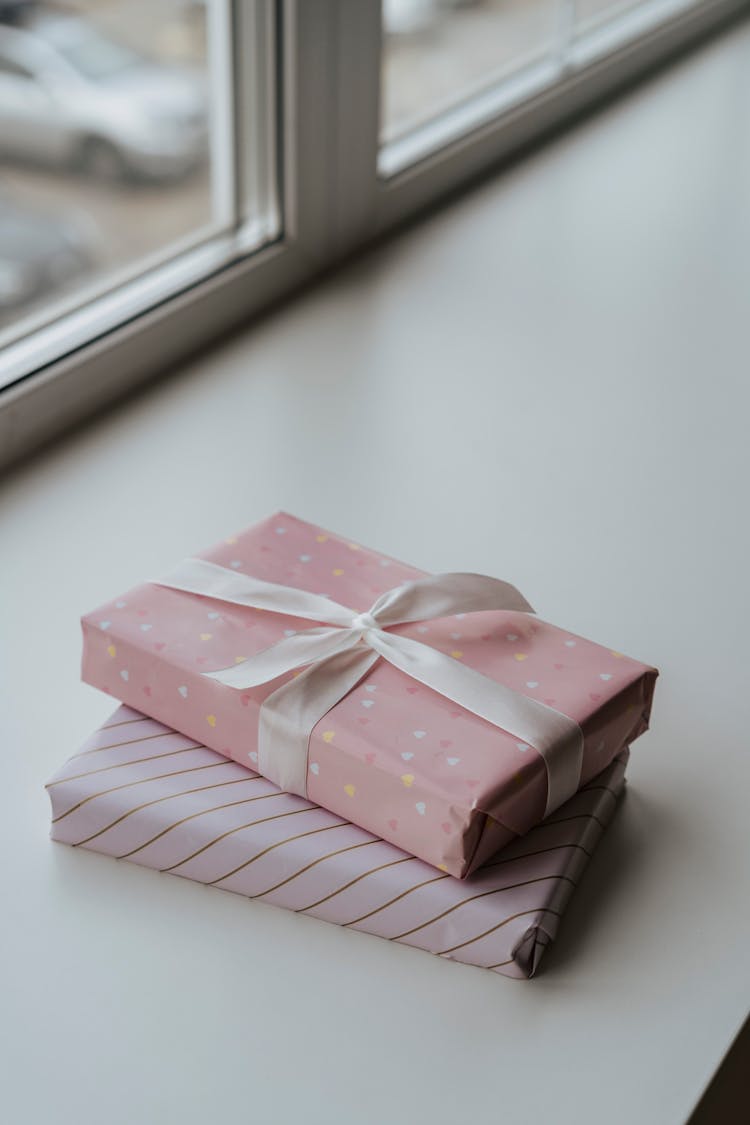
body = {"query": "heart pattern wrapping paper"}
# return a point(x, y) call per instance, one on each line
point(392, 756)
point(142, 792)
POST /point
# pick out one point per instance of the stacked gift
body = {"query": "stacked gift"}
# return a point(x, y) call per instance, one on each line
point(337, 733)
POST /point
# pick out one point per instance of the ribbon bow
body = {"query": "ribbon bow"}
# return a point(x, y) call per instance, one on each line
point(345, 645)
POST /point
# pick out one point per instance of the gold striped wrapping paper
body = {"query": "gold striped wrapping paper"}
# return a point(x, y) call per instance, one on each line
point(140, 791)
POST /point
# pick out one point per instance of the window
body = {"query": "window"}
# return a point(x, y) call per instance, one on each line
point(169, 167)
point(121, 176)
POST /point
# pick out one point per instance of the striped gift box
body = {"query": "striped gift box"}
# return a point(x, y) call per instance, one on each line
point(140, 791)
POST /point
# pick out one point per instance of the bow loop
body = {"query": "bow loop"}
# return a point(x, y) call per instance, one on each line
point(438, 595)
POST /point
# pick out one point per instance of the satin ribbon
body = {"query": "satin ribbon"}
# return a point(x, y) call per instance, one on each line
point(345, 644)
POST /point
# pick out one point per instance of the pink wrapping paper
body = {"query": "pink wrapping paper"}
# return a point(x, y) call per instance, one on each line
point(140, 791)
point(393, 756)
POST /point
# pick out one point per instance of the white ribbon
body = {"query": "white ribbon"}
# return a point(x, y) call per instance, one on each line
point(345, 644)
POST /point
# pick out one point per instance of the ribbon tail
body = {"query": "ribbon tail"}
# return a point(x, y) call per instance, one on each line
point(288, 715)
point(558, 738)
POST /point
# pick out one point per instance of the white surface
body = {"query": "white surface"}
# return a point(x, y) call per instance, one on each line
point(559, 366)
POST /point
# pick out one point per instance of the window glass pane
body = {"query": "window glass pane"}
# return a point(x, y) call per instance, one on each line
point(448, 66)
point(439, 52)
point(117, 153)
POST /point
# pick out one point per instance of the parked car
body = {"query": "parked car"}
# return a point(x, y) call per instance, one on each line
point(71, 95)
point(41, 254)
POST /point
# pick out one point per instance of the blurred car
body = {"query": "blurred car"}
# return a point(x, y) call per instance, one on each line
point(41, 254)
point(70, 95)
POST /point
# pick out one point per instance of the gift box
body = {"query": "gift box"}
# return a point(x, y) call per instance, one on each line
point(405, 761)
point(142, 792)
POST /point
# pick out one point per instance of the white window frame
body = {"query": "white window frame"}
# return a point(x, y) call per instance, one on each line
point(332, 198)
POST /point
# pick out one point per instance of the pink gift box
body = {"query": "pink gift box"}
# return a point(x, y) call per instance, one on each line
point(393, 756)
point(142, 792)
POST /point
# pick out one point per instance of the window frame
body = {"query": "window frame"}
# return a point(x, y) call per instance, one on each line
point(327, 89)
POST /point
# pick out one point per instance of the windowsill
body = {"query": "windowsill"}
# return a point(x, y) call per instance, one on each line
point(545, 381)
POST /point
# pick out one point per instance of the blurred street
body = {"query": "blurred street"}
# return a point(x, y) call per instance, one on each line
point(122, 204)
point(104, 133)
point(127, 220)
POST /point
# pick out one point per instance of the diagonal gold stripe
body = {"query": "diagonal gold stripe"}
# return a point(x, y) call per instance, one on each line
point(128, 742)
point(231, 832)
point(201, 812)
point(523, 912)
point(599, 789)
point(393, 863)
point(159, 800)
point(127, 722)
point(505, 921)
point(500, 964)
point(525, 855)
point(121, 765)
point(315, 862)
point(565, 819)
point(473, 898)
point(403, 894)
point(586, 789)
point(288, 840)
point(140, 781)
